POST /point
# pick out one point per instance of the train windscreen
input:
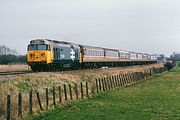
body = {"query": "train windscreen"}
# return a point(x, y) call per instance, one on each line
point(38, 47)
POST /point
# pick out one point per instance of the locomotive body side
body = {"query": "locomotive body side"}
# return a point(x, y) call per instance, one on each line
point(67, 55)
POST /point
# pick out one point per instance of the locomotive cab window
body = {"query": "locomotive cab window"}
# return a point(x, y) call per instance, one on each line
point(31, 47)
point(42, 47)
point(38, 47)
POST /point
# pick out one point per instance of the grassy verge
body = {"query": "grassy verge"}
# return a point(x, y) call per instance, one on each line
point(157, 98)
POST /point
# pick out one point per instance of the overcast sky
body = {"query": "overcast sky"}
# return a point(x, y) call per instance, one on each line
point(151, 26)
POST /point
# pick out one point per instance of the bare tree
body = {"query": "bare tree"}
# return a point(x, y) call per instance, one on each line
point(7, 51)
point(8, 55)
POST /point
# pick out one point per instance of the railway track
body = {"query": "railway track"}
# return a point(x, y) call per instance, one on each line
point(15, 72)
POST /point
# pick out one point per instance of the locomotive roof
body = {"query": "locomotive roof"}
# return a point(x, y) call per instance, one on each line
point(48, 41)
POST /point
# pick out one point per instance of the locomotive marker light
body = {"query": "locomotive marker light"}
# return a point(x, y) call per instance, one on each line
point(72, 54)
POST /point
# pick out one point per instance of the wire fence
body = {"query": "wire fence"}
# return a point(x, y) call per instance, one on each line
point(28, 103)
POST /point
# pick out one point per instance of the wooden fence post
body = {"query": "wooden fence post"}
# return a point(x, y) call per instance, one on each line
point(122, 79)
point(60, 95)
point(128, 77)
point(30, 103)
point(100, 84)
point(116, 80)
point(70, 92)
point(134, 77)
point(20, 105)
point(76, 90)
point(140, 76)
point(92, 87)
point(143, 75)
point(39, 101)
point(97, 88)
point(86, 89)
point(47, 98)
point(125, 78)
point(54, 96)
point(131, 77)
point(105, 83)
point(8, 107)
point(119, 82)
point(137, 76)
point(110, 78)
point(81, 90)
point(150, 73)
point(122, 76)
point(108, 82)
point(112, 81)
point(65, 92)
point(102, 81)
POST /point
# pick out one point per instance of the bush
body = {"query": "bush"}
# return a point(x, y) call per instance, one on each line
point(7, 59)
point(178, 64)
point(169, 65)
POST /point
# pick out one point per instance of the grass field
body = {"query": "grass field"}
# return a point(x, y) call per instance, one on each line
point(158, 98)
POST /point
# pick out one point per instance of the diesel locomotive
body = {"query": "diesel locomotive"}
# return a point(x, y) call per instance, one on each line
point(53, 55)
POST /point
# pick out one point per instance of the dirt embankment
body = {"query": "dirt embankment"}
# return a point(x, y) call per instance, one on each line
point(15, 83)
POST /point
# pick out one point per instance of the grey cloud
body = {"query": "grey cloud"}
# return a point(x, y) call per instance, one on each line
point(151, 26)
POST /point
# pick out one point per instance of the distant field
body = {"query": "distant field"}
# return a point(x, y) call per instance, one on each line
point(157, 99)
point(5, 68)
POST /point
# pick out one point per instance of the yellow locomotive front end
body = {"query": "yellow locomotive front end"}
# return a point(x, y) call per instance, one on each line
point(39, 55)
